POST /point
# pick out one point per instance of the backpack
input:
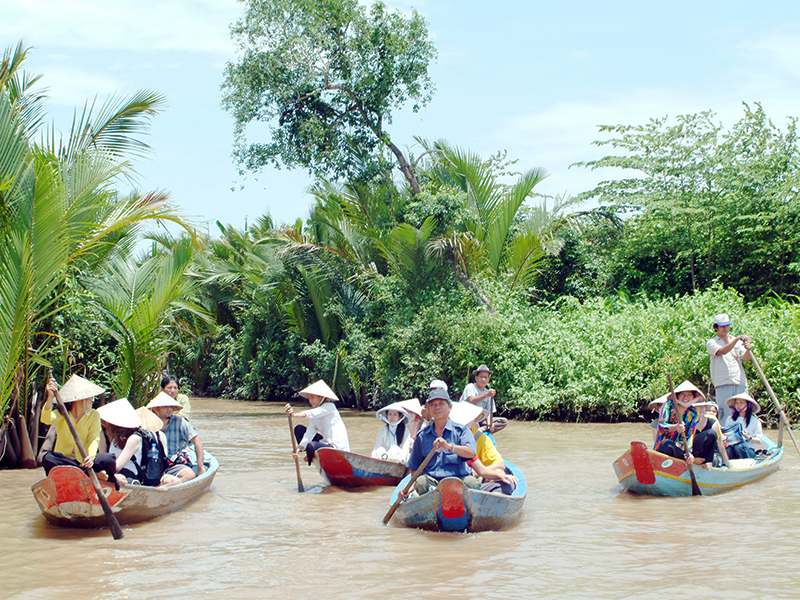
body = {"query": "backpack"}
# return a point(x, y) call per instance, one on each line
point(152, 467)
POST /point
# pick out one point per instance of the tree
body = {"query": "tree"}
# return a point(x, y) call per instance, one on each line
point(706, 204)
point(326, 75)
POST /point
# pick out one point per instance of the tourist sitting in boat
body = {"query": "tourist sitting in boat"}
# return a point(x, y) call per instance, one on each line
point(454, 445)
point(325, 426)
point(677, 417)
point(170, 386)
point(123, 426)
point(77, 395)
point(656, 405)
point(743, 428)
point(179, 434)
point(393, 441)
point(709, 426)
point(488, 465)
point(478, 393)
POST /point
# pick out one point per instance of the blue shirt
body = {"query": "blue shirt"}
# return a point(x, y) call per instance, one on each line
point(179, 432)
point(443, 464)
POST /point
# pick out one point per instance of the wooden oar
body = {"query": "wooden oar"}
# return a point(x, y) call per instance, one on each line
point(113, 524)
point(300, 487)
point(695, 488)
point(411, 481)
point(784, 418)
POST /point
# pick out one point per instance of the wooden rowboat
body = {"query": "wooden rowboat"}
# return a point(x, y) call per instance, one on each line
point(67, 498)
point(452, 506)
point(644, 471)
point(349, 470)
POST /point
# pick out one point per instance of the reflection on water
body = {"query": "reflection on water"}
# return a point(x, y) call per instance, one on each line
point(254, 536)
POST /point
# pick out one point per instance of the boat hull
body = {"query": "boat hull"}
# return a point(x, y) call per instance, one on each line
point(454, 507)
point(349, 470)
point(643, 471)
point(67, 498)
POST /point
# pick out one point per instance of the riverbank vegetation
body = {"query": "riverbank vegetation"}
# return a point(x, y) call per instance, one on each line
point(409, 267)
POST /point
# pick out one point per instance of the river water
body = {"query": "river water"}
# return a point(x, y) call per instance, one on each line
point(253, 536)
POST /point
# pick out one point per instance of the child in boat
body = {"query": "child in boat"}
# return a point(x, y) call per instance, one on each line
point(179, 434)
point(77, 395)
point(123, 426)
point(488, 465)
point(394, 439)
point(325, 426)
point(678, 416)
point(743, 427)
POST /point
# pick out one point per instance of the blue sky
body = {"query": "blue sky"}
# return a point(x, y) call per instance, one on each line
point(533, 78)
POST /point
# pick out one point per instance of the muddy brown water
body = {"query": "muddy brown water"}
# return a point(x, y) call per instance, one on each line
point(253, 536)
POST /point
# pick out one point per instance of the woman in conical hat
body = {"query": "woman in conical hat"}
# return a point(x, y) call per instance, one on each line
point(325, 426)
point(678, 416)
point(123, 426)
point(744, 423)
point(393, 441)
point(77, 395)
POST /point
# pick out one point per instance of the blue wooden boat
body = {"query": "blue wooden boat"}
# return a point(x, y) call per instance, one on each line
point(454, 507)
point(644, 471)
point(349, 470)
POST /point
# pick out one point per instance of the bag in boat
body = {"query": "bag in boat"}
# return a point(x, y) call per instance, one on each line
point(734, 433)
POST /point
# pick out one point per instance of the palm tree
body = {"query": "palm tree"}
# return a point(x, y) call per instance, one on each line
point(59, 211)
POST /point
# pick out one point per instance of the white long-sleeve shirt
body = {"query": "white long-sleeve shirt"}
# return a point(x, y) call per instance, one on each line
point(326, 421)
point(386, 443)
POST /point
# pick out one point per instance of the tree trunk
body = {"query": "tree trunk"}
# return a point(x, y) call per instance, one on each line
point(13, 447)
point(28, 457)
point(33, 426)
point(467, 284)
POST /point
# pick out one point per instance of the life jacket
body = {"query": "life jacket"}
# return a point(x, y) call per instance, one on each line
point(153, 463)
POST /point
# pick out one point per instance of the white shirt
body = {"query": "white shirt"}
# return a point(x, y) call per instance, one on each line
point(326, 421)
point(387, 444)
point(471, 391)
point(726, 369)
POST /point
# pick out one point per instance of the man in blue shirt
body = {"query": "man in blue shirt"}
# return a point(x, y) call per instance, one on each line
point(454, 444)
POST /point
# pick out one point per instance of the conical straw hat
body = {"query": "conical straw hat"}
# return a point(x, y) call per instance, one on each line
point(381, 414)
point(320, 388)
point(150, 420)
point(743, 396)
point(658, 402)
point(464, 413)
point(688, 386)
point(412, 406)
point(120, 413)
point(78, 388)
point(164, 399)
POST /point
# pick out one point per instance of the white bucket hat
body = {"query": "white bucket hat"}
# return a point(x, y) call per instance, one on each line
point(744, 396)
point(78, 388)
point(164, 399)
point(722, 319)
point(465, 412)
point(120, 413)
point(150, 420)
point(320, 388)
point(381, 414)
point(437, 384)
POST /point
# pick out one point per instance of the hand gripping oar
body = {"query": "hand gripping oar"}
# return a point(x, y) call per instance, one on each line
point(113, 524)
point(695, 488)
point(784, 419)
point(411, 481)
point(300, 487)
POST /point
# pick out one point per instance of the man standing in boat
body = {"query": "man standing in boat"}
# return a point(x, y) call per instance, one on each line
point(454, 445)
point(727, 354)
point(481, 395)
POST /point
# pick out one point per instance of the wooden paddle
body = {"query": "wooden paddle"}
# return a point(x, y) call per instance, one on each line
point(113, 524)
point(300, 487)
point(411, 481)
point(695, 488)
point(784, 418)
